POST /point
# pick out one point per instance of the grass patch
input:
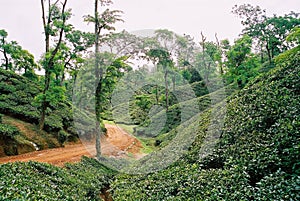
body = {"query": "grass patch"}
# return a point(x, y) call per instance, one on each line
point(148, 145)
point(128, 128)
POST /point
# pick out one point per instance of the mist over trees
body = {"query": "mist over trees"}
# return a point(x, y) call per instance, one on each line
point(159, 86)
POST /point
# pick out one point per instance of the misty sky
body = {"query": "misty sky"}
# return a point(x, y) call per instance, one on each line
point(22, 18)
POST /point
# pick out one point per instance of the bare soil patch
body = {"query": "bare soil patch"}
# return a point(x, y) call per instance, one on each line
point(117, 143)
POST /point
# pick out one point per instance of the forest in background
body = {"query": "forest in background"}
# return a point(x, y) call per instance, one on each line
point(255, 81)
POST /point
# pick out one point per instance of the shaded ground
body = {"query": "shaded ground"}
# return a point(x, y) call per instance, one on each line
point(117, 143)
point(29, 132)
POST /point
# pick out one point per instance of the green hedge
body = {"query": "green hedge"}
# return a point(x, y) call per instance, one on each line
point(17, 99)
point(256, 158)
point(38, 181)
point(8, 131)
point(191, 108)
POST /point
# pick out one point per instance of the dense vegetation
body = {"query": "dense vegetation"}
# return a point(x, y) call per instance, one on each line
point(257, 157)
point(38, 181)
point(220, 120)
point(18, 100)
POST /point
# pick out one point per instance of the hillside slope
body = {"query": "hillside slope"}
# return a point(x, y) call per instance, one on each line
point(256, 158)
point(17, 100)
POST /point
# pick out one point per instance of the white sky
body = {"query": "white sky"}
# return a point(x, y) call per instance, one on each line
point(22, 18)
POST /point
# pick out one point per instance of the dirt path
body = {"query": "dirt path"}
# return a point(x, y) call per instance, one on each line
point(117, 143)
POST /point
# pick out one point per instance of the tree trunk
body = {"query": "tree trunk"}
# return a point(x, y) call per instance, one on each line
point(269, 54)
point(98, 74)
point(73, 85)
point(261, 54)
point(49, 64)
point(98, 141)
point(221, 52)
point(167, 90)
point(202, 43)
point(44, 100)
point(156, 95)
point(98, 118)
point(62, 79)
point(5, 55)
point(174, 82)
point(6, 60)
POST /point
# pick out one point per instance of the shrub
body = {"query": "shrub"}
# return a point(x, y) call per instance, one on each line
point(39, 181)
point(8, 131)
point(256, 158)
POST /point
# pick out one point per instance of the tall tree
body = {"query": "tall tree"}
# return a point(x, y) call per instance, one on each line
point(207, 59)
point(102, 21)
point(4, 48)
point(15, 57)
point(269, 32)
point(123, 43)
point(185, 49)
point(54, 18)
point(72, 49)
point(241, 62)
point(163, 60)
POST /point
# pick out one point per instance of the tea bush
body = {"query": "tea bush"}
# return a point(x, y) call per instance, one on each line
point(39, 181)
point(17, 99)
point(256, 158)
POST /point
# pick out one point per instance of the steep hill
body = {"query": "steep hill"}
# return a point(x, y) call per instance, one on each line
point(20, 135)
point(256, 158)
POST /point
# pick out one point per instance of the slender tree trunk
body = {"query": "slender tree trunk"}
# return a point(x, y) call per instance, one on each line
point(47, 73)
point(62, 79)
point(174, 82)
point(261, 54)
point(63, 72)
point(98, 119)
point(44, 102)
point(206, 69)
point(167, 90)
point(221, 52)
point(49, 64)
point(5, 55)
point(6, 60)
point(98, 87)
point(156, 95)
point(269, 54)
point(74, 82)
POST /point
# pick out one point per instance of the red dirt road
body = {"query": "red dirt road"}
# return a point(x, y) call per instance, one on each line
point(117, 143)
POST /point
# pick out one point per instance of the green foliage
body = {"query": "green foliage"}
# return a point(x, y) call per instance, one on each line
point(38, 181)
point(269, 32)
point(15, 58)
point(19, 99)
point(239, 51)
point(191, 75)
point(113, 72)
point(8, 131)
point(294, 36)
point(190, 182)
point(242, 64)
point(257, 157)
point(174, 114)
point(278, 186)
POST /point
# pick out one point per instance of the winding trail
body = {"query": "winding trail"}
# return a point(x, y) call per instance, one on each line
point(116, 143)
